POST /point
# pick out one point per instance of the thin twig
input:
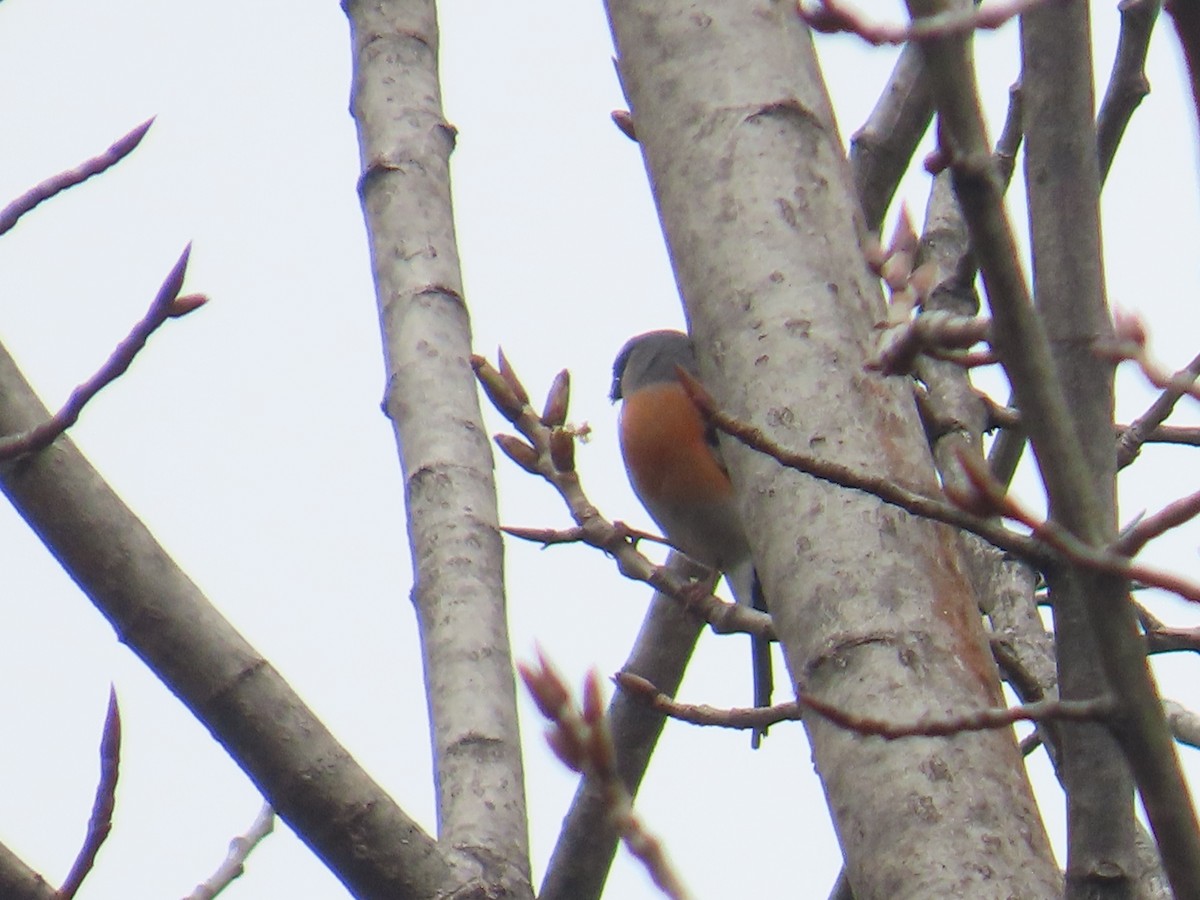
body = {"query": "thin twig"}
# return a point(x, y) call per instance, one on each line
point(1049, 544)
point(550, 536)
point(1174, 514)
point(745, 718)
point(1140, 430)
point(880, 151)
point(1127, 85)
point(1163, 638)
point(56, 184)
point(100, 821)
point(234, 864)
point(167, 305)
point(887, 490)
point(831, 16)
point(580, 738)
point(980, 720)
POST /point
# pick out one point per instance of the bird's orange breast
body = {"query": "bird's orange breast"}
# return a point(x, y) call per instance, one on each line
point(663, 440)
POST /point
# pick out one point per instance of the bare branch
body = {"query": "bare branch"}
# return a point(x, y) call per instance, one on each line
point(1144, 426)
point(588, 840)
point(580, 738)
point(881, 149)
point(831, 16)
point(980, 720)
point(1021, 338)
point(912, 501)
point(100, 821)
point(19, 882)
point(56, 184)
point(1170, 516)
point(157, 611)
point(1185, 724)
point(167, 304)
point(234, 864)
point(1127, 85)
point(933, 332)
point(577, 535)
point(1163, 638)
point(745, 718)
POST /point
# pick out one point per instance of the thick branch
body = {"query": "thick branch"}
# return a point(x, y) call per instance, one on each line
point(449, 487)
point(335, 807)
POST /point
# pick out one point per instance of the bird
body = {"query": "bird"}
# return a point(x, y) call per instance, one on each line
point(676, 470)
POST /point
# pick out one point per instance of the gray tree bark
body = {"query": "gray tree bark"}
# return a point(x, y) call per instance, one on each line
point(873, 608)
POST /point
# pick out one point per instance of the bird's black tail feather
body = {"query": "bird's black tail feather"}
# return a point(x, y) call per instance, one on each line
point(764, 680)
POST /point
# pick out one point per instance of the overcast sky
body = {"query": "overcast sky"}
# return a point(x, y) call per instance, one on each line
point(248, 436)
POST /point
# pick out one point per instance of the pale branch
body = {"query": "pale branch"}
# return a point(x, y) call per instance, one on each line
point(1009, 417)
point(581, 739)
point(56, 184)
point(550, 454)
point(1127, 85)
point(100, 821)
point(167, 304)
point(832, 16)
point(234, 864)
point(1185, 724)
point(744, 718)
point(549, 536)
point(1098, 709)
point(1142, 429)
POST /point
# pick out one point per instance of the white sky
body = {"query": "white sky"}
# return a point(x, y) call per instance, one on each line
point(248, 436)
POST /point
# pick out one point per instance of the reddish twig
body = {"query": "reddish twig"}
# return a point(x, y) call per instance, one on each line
point(750, 718)
point(832, 16)
point(100, 821)
point(56, 184)
point(240, 848)
point(1048, 544)
point(979, 720)
point(167, 305)
point(1132, 343)
point(1174, 514)
point(919, 504)
point(580, 738)
point(1066, 545)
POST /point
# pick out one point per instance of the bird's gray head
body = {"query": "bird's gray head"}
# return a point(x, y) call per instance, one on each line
point(651, 358)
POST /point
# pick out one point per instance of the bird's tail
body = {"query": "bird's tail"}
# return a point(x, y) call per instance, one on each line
point(764, 680)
